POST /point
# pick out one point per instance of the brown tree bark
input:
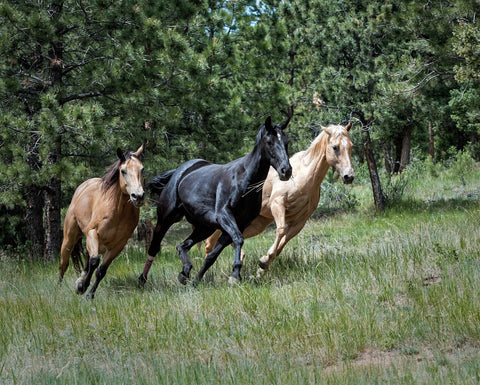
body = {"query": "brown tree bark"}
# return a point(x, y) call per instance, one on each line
point(378, 197)
point(431, 141)
point(406, 147)
point(53, 191)
point(53, 206)
point(34, 221)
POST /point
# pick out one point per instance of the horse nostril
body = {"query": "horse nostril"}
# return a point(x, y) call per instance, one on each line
point(138, 196)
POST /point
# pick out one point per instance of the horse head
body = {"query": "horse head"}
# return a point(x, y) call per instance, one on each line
point(131, 176)
point(275, 148)
point(339, 151)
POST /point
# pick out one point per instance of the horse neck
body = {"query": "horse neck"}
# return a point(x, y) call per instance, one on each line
point(315, 159)
point(256, 167)
point(118, 198)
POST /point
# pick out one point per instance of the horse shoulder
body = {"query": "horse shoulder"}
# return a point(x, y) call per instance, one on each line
point(114, 230)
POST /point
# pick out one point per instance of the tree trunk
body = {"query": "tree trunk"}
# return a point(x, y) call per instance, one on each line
point(53, 221)
point(34, 221)
point(378, 196)
point(53, 205)
point(431, 141)
point(406, 146)
point(53, 194)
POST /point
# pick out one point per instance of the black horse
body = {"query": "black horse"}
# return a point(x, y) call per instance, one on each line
point(211, 196)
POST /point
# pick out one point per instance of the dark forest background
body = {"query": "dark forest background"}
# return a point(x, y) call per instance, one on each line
point(195, 78)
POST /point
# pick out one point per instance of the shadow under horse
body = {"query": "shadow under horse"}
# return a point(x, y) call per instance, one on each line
point(212, 196)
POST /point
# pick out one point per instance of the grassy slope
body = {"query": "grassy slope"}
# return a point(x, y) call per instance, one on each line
point(355, 298)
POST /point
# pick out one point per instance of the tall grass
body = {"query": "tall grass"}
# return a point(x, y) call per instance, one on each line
point(355, 298)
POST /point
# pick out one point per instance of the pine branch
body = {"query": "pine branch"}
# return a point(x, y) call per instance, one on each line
point(84, 95)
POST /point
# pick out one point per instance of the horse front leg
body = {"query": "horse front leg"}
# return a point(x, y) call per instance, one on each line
point(278, 212)
point(91, 265)
point(230, 227)
point(210, 259)
point(281, 240)
point(102, 269)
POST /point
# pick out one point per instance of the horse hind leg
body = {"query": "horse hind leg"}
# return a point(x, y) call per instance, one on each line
point(83, 281)
point(197, 235)
point(72, 235)
point(163, 224)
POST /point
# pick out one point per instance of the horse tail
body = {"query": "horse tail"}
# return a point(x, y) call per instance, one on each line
point(78, 256)
point(158, 183)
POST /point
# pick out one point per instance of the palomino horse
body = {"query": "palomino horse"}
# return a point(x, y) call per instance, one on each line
point(106, 211)
point(292, 202)
point(213, 196)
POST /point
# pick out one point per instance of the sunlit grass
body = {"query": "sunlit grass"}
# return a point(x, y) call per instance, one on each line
point(355, 298)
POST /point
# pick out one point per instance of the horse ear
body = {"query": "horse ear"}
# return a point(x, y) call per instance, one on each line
point(268, 123)
point(284, 124)
point(348, 126)
point(120, 155)
point(138, 152)
point(327, 130)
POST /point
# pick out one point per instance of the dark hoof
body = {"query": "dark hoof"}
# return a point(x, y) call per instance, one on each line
point(141, 281)
point(182, 278)
point(262, 265)
point(90, 295)
point(81, 288)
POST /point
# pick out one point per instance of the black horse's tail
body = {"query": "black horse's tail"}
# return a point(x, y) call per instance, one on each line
point(78, 256)
point(158, 183)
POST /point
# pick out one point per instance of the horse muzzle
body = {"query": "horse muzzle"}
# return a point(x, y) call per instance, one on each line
point(138, 199)
point(348, 178)
point(285, 173)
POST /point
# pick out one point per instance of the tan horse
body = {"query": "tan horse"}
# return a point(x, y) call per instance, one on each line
point(106, 212)
point(290, 203)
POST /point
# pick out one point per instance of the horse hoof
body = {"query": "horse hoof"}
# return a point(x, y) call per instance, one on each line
point(141, 281)
point(79, 287)
point(260, 272)
point(182, 278)
point(90, 295)
point(263, 265)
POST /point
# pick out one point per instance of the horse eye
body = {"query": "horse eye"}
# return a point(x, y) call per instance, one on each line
point(124, 172)
point(335, 148)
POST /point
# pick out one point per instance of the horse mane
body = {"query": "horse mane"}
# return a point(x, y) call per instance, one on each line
point(315, 146)
point(112, 174)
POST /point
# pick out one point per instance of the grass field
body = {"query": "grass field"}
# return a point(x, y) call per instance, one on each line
point(356, 298)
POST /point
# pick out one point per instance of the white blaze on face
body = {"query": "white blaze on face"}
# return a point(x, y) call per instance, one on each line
point(344, 144)
point(133, 178)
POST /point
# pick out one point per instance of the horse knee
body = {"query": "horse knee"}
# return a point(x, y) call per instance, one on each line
point(94, 262)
